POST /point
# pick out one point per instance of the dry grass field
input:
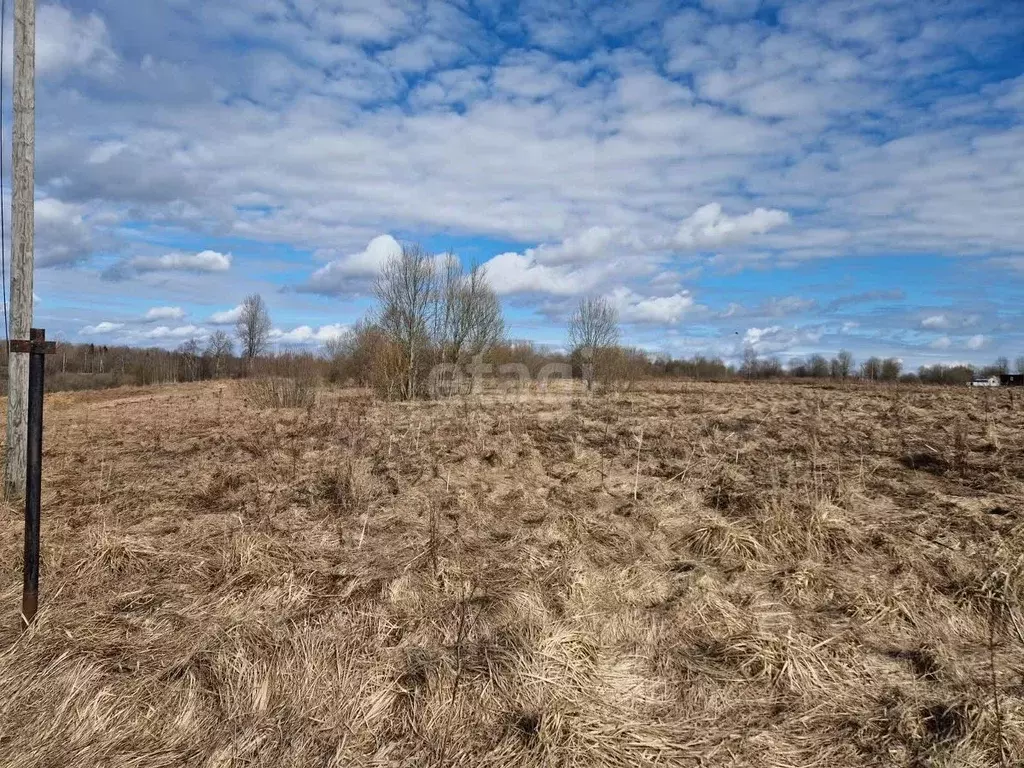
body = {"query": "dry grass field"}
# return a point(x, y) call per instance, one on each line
point(705, 575)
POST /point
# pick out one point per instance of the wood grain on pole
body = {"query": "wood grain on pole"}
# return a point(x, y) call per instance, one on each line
point(22, 240)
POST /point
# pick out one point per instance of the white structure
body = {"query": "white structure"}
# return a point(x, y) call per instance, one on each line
point(985, 381)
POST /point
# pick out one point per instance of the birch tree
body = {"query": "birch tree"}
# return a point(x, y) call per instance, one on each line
point(406, 292)
point(253, 327)
point(593, 333)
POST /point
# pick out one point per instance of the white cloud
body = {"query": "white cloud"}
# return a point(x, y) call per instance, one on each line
point(977, 342)
point(574, 154)
point(775, 339)
point(534, 75)
point(942, 342)
point(755, 336)
point(656, 310)
point(953, 320)
point(593, 243)
point(606, 161)
point(67, 42)
point(352, 271)
point(163, 313)
point(101, 328)
point(227, 316)
point(581, 262)
point(63, 235)
point(850, 325)
point(305, 334)
point(511, 273)
point(709, 227)
point(179, 332)
point(204, 261)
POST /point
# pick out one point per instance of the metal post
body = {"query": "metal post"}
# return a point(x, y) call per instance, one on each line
point(37, 349)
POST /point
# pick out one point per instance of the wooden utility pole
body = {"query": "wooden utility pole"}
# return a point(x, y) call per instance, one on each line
point(22, 241)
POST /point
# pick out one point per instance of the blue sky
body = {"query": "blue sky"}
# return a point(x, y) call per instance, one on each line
point(799, 177)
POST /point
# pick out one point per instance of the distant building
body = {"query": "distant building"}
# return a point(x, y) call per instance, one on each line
point(985, 381)
point(1011, 379)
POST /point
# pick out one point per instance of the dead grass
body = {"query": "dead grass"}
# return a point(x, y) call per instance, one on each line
point(279, 392)
point(774, 575)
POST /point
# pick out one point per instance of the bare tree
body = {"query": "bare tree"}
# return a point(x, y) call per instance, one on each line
point(844, 362)
point(468, 317)
point(871, 369)
point(749, 367)
point(406, 290)
point(817, 366)
point(253, 327)
point(220, 348)
point(1019, 364)
point(339, 347)
point(188, 356)
point(1002, 365)
point(770, 368)
point(593, 332)
point(891, 369)
point(430, 311)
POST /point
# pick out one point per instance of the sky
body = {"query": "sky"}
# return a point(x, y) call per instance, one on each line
point(796, 177)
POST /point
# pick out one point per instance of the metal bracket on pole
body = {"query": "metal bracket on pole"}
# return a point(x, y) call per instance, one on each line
point(34, 345)
point(37, 347)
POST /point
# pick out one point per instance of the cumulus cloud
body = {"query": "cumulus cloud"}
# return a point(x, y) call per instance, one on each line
point(591, 244)
point(179, 332)
point(935, 321)
point(352, 272)
point(227, 316)
point(942, 342)
point(511, 273)
point(775, 339)
point(101, 328)
point(305, 334)
point(202, 262)
point(589, 157)
point(656, 310)
point(157, 314)
point(710, 227)
point(757, 336)
point(696, 132)
point(579, 263)
point(978, 341)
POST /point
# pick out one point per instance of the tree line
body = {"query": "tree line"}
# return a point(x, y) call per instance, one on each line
point(433, 314)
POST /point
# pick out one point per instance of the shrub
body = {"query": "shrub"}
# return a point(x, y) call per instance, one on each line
point(280, 392)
